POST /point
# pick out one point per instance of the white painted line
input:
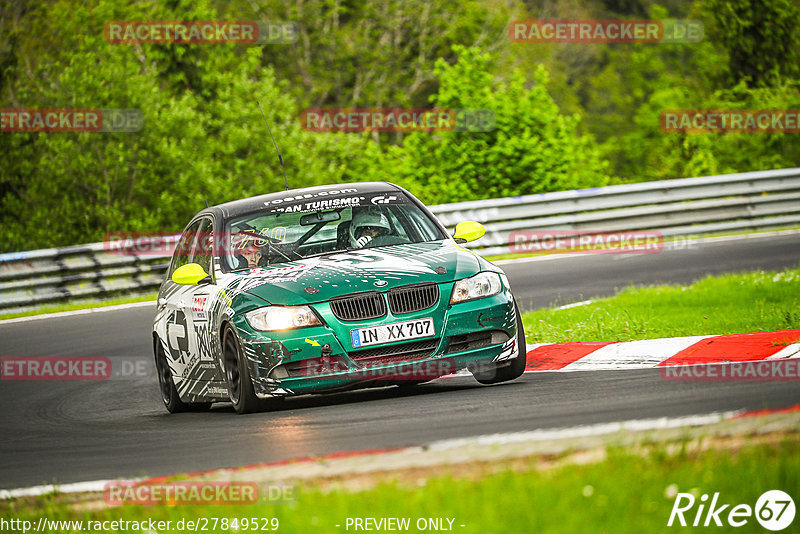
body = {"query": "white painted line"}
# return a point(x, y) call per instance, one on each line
point(789, 351)
point(575, 305)
point(79, 312)
point(756, 235)
point(583, 431)
point(77, 487)
point(544, 257)
point(633, 354)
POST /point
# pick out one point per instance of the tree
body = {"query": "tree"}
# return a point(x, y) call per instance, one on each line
point(762, 39)
point(533, 149)
point(202, 139)
point(360, 53)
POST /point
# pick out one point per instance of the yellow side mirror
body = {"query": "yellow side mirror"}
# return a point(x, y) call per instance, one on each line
point(469, 231)
point(190, 274)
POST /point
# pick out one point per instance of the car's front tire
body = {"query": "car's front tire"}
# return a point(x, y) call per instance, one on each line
point(169, 394)
point(237, 374)
point(517, 365)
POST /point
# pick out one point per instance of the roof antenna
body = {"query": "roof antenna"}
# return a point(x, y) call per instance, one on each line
point(280, 158)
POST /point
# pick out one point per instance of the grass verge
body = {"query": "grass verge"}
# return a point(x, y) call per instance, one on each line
point(625, 492)
point(727, 304)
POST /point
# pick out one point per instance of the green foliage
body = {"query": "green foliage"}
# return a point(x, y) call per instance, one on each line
point(700, 154)
point(644, 151)
point(361, 53)
point(203, 138)
point(761, 38)
point(567, 115)
point(626, 97)
point(533, 149)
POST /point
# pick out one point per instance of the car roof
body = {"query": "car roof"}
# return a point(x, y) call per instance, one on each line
point(247, 205)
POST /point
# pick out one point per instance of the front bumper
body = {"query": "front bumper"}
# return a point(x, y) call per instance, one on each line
point(471, 334)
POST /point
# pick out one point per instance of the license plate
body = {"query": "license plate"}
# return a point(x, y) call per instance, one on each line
point(386, 333)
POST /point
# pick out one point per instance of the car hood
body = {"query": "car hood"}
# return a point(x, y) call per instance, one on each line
point(321, 278)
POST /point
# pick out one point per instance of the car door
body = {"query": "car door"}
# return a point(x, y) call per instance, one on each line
point(186, 310)
point(197, 307)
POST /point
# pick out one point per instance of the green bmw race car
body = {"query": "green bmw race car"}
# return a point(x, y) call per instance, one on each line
point(325, 289)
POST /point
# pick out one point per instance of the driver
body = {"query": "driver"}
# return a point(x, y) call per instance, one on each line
point(247, 253)
point(252, 255)
point(366, 226)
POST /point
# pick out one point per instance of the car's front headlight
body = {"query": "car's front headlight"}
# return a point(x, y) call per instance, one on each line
point(281, 318)
point(476, 287)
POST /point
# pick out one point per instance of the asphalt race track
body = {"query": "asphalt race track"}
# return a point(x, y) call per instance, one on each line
point(74, 431)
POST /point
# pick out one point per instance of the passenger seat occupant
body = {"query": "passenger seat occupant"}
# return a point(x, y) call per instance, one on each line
point(366, 226)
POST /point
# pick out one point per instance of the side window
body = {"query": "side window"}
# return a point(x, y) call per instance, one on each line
point(183, 251)
point(203, 248)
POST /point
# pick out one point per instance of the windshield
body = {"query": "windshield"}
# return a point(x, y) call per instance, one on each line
point(293, 231)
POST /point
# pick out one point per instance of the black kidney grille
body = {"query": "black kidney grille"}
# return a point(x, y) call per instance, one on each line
point(413, 298)
point(359, 307)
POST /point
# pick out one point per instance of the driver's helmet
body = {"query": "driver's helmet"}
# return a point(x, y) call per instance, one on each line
point(368, 223)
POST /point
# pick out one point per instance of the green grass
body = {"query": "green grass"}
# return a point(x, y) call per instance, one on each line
point(70, 306)
point(749, 302)
point(624, 493)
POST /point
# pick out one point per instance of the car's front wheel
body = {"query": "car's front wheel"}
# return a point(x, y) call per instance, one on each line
point(517, 365)
point(169, 394)
point(237, 374)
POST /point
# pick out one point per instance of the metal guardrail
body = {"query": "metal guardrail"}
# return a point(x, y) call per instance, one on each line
point(711, 204)
point(96, 270)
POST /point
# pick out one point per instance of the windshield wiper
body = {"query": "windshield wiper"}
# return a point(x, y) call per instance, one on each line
point(269, 248)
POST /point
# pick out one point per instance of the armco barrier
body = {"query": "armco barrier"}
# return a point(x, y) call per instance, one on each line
point(726, 203)
point(35, 277)
point(711, 204)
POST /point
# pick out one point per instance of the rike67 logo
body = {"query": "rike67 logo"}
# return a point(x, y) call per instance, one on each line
point(774, 510)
